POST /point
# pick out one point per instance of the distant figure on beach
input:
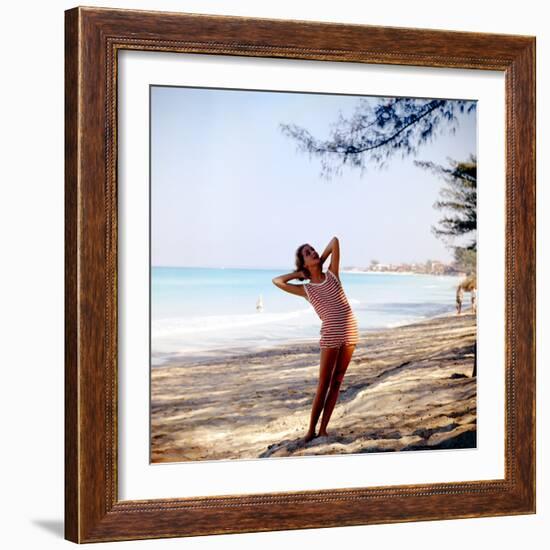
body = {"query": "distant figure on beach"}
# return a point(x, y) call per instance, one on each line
point(339, 330)
point(459, 299)
point(467, 285)
point(259, 305)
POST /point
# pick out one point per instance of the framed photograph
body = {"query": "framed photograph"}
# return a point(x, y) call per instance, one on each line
point(300, 274)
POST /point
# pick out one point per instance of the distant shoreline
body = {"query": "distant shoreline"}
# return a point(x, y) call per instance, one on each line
point(288, 269)
point(370, 272)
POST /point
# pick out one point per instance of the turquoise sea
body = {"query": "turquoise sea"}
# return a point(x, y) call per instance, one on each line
point(199, 313)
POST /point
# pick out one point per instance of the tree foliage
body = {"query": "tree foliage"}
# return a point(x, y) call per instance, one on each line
point(465, 260)
point(377, 130)
point(458, 197)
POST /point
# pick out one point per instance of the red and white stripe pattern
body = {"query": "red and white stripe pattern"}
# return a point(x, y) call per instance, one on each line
point(339, 325)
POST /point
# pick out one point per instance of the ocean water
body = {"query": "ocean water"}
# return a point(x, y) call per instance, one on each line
point(200, 313)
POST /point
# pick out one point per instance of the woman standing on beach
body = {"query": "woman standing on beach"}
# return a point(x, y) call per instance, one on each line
point(339, 331)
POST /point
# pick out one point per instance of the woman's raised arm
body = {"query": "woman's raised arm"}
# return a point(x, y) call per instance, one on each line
point(281, 282)
point(332, 249)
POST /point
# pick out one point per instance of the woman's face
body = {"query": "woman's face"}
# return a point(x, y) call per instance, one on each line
point(311, 258)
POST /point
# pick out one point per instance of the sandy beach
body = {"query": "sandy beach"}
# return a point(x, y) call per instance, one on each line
point(406, 388)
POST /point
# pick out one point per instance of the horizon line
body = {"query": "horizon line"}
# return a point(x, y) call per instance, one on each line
point(289, 267)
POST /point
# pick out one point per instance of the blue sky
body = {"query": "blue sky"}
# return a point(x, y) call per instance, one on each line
point(229, 189)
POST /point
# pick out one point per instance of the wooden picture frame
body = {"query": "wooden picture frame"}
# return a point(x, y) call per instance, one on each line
point(93, 511)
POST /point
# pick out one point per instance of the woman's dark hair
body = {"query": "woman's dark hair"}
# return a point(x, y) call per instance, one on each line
point(300, 262)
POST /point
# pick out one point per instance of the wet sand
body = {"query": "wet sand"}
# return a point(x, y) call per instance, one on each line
point(406, 388)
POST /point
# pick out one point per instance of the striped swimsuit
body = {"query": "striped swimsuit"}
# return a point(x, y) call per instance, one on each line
point(339, 325)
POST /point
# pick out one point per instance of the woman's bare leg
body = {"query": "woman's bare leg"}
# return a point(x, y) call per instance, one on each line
point(327, 365)
point(340, 368)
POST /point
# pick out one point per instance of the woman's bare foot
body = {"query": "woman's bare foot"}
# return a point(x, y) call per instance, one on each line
point(323, 433)
point(309, 436)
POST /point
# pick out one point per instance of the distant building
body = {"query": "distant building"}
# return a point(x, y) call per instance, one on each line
point(431, 267)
